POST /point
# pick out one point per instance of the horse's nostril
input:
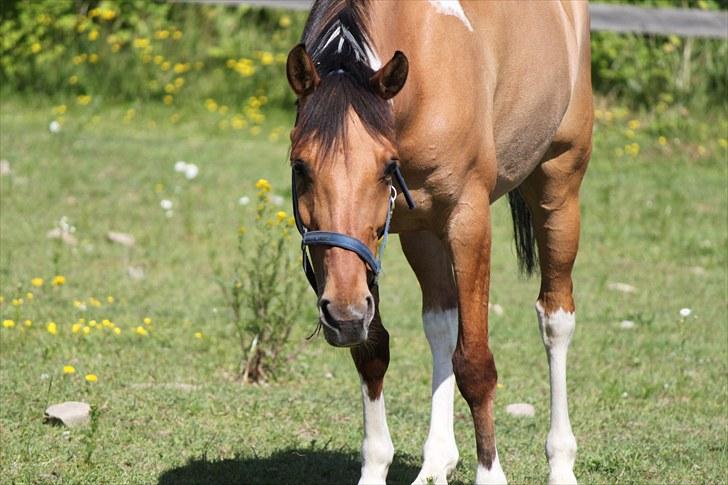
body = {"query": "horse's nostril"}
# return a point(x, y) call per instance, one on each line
point(324, 304)
point(370, 305)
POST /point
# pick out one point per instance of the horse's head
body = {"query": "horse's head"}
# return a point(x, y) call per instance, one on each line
point(343, 155)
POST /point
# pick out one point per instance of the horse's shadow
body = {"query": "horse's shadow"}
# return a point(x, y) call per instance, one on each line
point(291, 466)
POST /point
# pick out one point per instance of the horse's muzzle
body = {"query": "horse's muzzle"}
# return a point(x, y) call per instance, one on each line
point(346, 326)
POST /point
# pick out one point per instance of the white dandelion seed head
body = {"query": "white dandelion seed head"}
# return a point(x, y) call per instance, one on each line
point(685, 312)
point(180, 166)
point(244, 200)
point(54, 126)
point(166, 204)
point(191, 171)
point(276, 200)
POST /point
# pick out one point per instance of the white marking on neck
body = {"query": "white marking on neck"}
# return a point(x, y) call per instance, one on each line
point(452, 7)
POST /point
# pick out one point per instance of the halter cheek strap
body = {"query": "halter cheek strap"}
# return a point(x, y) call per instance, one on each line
point(339, 240)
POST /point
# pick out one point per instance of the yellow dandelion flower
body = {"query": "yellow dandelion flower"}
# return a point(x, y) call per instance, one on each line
point(69, 369)
point(141, 43)
point(93, 35)
point(91, 378)
point(86, 330)
point(73, 80)
point(59, 110)
point(28, 323)
point(291, 221)
point(723, 142)
point(52, 328)
point(92, 323)
point(29, 296)
point(109, 299)
point(35, 48)
point(94, 302)
point(141, 331)
point(267, 59)
point(8, 323)
point(17, 301)
point(117, 331)
point(168, 99)
point(198, 335)
point(116, 47)
point(181, 67)
point(93, 58)
point(147, 321)
point(633, 124)
point(211, 105)
point(76, 327)
point(170, 88)
point(79, 59)
point(161, 34)
point(165, 66)
point(263, 185)
point(284, 22)
point(662, 141)
point(179, 82)
point(158, 59)
point(281, 216)
point(83, 99)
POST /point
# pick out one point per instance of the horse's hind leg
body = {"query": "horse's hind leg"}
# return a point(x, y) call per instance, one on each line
point(429, 260)
point(552, 195)
point(371, 360)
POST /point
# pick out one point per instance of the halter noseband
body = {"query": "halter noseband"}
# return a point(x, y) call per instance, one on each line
point(339, 240)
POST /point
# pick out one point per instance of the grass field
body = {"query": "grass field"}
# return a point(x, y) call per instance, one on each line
point(648, 404)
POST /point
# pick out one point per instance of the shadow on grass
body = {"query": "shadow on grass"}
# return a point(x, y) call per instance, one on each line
point(293, 466)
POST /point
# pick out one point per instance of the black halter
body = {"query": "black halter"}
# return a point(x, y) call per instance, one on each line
point(336, 239)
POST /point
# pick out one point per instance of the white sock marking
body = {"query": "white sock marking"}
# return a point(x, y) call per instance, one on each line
point(440, 450)
point(452, 7)
point(494, 476)
point(556, 331)
point(377, 450)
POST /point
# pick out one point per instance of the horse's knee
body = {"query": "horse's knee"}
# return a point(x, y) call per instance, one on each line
point(475, 374)
point(556, 328)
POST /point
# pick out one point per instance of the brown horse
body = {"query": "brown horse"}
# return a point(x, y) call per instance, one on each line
point(476, 100)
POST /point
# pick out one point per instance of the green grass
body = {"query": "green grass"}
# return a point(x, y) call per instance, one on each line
point(647, 404)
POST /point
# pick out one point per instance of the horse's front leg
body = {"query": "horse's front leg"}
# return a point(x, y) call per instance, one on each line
point(431, 263)
point(469, 239)
point(371, 359)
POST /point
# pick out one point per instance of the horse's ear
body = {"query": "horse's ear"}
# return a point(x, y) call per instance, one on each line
point(391, 78)
point(301, 72)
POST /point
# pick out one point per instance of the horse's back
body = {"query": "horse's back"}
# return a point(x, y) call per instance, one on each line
point(489, 75)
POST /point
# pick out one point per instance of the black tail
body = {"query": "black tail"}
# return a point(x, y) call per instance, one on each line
point(523, 233)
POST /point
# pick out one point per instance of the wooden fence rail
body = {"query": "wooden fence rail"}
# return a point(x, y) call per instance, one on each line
point(604, 17)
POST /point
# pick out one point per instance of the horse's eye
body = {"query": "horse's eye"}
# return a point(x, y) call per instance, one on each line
point(300, 168)
point(389, 170)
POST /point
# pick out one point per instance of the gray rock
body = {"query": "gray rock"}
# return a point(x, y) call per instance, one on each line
point(521, 410)
point(70, 413)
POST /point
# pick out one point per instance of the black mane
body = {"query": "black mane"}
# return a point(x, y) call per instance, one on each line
point(336, 37)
